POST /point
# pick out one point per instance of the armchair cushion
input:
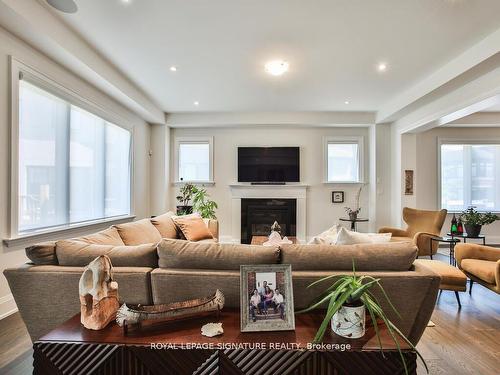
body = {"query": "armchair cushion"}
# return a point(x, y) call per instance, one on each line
point(396, 232)
point(482, 269)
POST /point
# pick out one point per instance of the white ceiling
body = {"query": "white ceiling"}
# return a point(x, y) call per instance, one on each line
point(333, 46)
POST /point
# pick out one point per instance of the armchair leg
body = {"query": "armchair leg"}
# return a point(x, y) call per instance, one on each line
point(458, 300)
point(470, 286)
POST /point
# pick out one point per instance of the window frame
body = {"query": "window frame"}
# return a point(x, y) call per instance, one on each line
point(193, 140)
point(361, 160)
point(20, 71)
point(458, 141)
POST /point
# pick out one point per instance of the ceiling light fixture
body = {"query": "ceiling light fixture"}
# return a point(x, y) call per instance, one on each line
point(346, 102)
point(173, 68)
point(276, 67)
point(196, 103)
point(382, 67)
point(65, 6)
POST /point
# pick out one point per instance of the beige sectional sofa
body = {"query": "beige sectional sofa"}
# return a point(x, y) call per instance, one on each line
point(173, 269)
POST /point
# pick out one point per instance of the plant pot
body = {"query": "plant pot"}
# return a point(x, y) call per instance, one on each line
point(349, 321)
point(353, 216)
point(473, 230)
point(184, 210)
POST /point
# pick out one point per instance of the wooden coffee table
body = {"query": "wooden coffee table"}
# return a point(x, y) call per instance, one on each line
point(179, 348)
point(259, 240)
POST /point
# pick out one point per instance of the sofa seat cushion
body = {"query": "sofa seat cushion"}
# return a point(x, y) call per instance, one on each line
point(193, 227)
point(451, 277)
point(79, 253)
point(367, 257)
point(138, 232)
point(165, 225)
point(42, 253)
point(181, 254)
point(482, 269)
point(108, 236)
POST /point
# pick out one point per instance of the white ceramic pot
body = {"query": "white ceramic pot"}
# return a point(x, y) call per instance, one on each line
point(349, 321)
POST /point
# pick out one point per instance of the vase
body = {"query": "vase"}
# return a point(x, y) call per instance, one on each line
point(353, 216)
point(349, 321)
point(472, 230)
point(184, 210)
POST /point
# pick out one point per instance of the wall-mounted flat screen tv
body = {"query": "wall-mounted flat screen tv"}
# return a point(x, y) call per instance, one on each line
point(268, 164)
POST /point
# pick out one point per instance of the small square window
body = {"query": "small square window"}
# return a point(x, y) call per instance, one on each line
point(343, 160)
point(194, 160)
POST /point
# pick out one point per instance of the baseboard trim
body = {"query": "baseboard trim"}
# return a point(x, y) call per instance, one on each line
point(7, 306)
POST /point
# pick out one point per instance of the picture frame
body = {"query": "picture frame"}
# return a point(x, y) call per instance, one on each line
point(266, 298)
point(409, 182)
point(337, 197)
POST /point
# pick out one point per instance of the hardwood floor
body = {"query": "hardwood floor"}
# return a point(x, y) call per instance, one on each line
point(465, 341)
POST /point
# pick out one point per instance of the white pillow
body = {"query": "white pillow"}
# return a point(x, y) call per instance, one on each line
point(346, 237)
point(327, 237)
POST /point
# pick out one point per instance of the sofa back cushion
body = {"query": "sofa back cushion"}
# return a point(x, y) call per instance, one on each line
point(165, 225)
point(392, 256)
point(42, 253)
point(138, 232)
point(108, 236)
point(181, 254)
point(80, 253)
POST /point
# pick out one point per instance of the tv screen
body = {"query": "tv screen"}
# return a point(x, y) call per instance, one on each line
point(268, 164)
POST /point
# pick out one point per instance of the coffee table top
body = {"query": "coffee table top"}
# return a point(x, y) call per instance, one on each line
point(189, 332)
point(259, 240)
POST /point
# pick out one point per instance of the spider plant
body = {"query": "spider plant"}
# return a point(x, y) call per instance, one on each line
point(349, 289)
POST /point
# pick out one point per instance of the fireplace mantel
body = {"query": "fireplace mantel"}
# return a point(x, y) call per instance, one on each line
point(293, 191)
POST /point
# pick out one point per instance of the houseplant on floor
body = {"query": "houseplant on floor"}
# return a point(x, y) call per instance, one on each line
point(474, 220)
point(345, 297)
point(203, 205)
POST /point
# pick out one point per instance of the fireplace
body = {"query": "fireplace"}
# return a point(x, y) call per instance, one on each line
point(257, 216)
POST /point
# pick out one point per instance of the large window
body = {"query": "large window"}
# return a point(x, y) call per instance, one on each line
point(344, 159)
point(73, 166)
point(470, 176)
point(193, 157)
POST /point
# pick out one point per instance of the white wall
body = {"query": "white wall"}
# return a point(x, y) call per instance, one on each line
point(426, 181)
point(10, 45)
point(321, 213)
point(160, 171)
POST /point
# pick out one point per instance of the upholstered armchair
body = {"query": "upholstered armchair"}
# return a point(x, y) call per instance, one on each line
point(422, 225)
point(480, 263)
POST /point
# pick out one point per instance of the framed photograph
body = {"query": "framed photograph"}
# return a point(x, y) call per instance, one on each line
point(337, 197)
point(266, 298)
point(408, 182)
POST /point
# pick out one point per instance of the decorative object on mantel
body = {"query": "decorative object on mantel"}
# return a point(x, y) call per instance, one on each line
point(276, 228)
point(347, 299)
point(354, 211)
point(98, 294)
point(408, 182)
point(139, 316)
point(212, 329)
point(275, 240)
point(474, 220)
point(195, 199)
point(337, 197)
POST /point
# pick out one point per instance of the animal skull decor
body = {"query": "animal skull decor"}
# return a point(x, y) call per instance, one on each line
point(98, 294)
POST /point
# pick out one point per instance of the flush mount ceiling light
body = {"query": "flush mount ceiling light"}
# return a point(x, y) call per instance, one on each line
point(382, 67)
point(65, 6)
point(196, 103)
point(173, 68)
point(346, 102)
point(276, 67)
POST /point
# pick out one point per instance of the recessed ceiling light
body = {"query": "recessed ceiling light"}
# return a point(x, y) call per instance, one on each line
point(126, 1)
point(196, 103)
point(276, 67)
point(173, 68)
point(382, 67)
point(65, 6)
point(346, 102)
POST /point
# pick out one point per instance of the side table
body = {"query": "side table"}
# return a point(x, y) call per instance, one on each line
point(465, 236)
point(452, 242)
point(353, 222)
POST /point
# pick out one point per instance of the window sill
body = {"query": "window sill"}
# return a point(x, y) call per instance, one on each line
point(64, 232)
point(196, 183)
point(343, 183)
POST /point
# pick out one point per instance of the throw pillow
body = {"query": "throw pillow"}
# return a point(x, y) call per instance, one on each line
point(138, 232)
point(165, 225)
point(108, 236)
point(328, 237)
point(347, 237)
point(42, 253)
point(192, 227)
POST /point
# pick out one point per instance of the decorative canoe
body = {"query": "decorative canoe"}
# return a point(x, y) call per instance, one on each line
point(139, 315)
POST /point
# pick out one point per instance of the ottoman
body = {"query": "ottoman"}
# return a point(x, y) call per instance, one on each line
point(451, 277)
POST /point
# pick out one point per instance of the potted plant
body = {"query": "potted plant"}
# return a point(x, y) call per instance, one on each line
point(187, 192)
point(474, 220)
point(353, 212)
point(203, 205)
point(348, 298)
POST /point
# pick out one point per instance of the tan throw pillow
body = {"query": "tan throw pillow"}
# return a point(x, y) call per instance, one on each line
point(138, 232)
point(108, 236)
point(192, 227)
point(181, 254)
point(42, 253)
point(165, 225)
